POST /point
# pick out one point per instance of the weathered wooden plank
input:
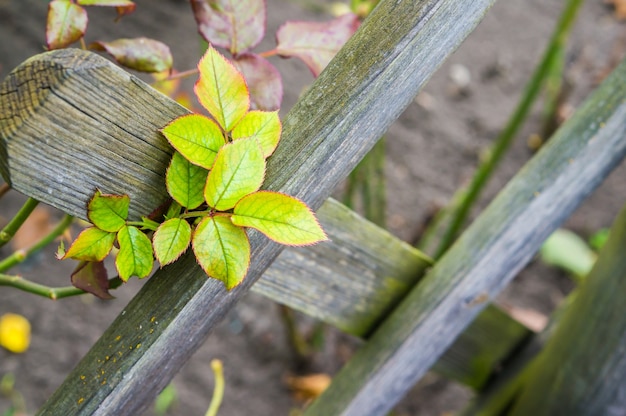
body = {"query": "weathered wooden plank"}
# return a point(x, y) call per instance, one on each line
point(338, 120)
point(351, 283)
point(582, 369)
point(485, 258)
point(355, 280)
point(58, 146)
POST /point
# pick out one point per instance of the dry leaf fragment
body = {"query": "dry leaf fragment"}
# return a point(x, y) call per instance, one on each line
point(308, 387)
point(620, 8)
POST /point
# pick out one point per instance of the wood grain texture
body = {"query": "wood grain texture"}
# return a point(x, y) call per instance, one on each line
point(486, 257)
point(333, 126)
point(64, 132)
point(582, 369)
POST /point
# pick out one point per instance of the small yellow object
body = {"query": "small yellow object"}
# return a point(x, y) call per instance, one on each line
point(14, 332)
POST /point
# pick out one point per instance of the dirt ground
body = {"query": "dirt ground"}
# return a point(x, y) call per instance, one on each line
point(432, 150)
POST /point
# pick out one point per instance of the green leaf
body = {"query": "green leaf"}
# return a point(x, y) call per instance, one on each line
point(171, 240)
point(196, 137)
point(92, 244)
point(222, 250)
point(282, 218)
point(108, 212)
point(141, 54)
point(263, 126)
point(185, 182)
point(66, 23)
point(92, 278)
point(135, 255)
point(566, 250)
point(239, 170)
point(221, 89)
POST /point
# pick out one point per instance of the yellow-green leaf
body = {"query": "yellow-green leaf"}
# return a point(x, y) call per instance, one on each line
point(171, 240)
point(135, 255)
point(196, 137)
point(92, 244)
point(108, 212)
point(282, 218)
point(185, 182)
point(264, 126)
point(222, 250)
point(221, 89)
point(239, 170)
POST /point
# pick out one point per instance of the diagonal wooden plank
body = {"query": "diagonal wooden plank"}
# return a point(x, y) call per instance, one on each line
point(351, 104)
point(485, 258)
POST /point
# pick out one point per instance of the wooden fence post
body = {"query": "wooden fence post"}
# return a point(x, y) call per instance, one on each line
point(352, 103)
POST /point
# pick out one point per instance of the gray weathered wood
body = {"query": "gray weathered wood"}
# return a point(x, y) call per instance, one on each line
point(338, 120)
point(354, 281)
point(351, 282)
point(485, 258)
point(582, 369)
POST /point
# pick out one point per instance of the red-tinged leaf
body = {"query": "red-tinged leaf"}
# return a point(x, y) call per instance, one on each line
point(140, 54)
point(66, 23)
point(263, 79)
point(221, 89)
point(108, 212)
point(263, 126)
point(123, 7)
point(236, 25)
point(135, 256)
point(92, 278)
point(171, 240)
point(92, 244)
point(196, 137)
point(222, 250)
point(239, 170)
point(315, 43)
point(281, 217)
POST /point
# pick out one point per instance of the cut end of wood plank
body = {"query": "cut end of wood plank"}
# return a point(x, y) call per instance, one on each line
point(72, 122)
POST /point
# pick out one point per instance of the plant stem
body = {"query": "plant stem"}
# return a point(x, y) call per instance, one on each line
point(218, 390)
point(21, 255)
point(505, 138)
point(53, 293)
point(183, 74)
point(11, 228)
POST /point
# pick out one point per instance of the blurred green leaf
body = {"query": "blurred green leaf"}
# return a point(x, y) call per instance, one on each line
point(141, 54)
point(566, 250)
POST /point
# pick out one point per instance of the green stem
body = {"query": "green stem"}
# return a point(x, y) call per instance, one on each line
point(53, 293)
point(11, 228)
point(218, 390)
point(21, 255)
point(503, 142)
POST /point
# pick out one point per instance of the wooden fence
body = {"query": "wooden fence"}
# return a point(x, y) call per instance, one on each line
point(95, 126)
